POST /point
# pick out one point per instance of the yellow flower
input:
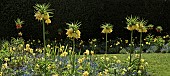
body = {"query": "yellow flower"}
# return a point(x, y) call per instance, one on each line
point(48, 54)
point(147, 43)
point(86, 73)
point(78, 33)
point(139, 72)
point(107, 30)
point(115, 57)
point(69, 32)
point(142, 60)
point(37, 66)
point(129, 68)
point(80, 60)
point(69, 66)
point(64, 54)
point(1, 74)
point(47, 21)
point(130, 28)
point(4, 66)
point(92, 52)
point(128, 58)
point(49, 67)
point(27, 45)
point(146, 63)
point(87, 52)
point(48, 46)
point(118, 61)
point(46, 16)
point(141, 67)
point(55, 75)
point(106, 71)
point(38, 15)
point(123, 72)
point(126, 41)
point(107, 59)
point(20, 34)
point(31, 51)
point(137, 55)
point(117, 43)
point(6, 59)
point(99, 74)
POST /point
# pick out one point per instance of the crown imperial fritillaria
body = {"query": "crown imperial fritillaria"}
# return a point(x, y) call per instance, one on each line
point(19, 23)
point(42, 13)
point(107, 28)
point(73, 30)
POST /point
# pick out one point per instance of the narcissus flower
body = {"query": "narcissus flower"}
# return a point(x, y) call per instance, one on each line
point(86, 73)
point(87, 52)
point(4, 66)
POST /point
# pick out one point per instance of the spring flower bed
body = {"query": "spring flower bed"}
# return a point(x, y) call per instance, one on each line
point(21, 58)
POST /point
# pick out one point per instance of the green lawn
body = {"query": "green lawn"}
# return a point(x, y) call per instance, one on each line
point(159, 63)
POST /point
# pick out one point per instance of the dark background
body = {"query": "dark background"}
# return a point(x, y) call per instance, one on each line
point(92, 13)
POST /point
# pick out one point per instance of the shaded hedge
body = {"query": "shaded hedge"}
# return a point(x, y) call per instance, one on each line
point(92, 13)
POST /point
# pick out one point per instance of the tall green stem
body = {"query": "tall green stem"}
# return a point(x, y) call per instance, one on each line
point(44, 37)
point(44, 42)
point(140, 54)
point(131, 48)
point(73, 63)
point(106, 45)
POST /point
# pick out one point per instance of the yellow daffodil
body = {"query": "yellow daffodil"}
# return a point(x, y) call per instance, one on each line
point(37, 66)
point(139, 71)
point(64, 54)
point(92, 52)
point(1, 74)
point(80, 60)
point(86, 73)
point(142, 60)
point(118, 61)
point(4, 66)
point(106, 71)
point(6, 59)
point(87, 52)
point(69, 66)
point(99, 74)
point(115, 57)
point(55, 75)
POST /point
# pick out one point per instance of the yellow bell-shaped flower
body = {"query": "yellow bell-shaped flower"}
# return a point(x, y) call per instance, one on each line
point(38, 15)
point(46, 16)
point(69, 33)
point(47, 21)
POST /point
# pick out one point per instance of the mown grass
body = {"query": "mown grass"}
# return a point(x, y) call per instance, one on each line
point(159, 63)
